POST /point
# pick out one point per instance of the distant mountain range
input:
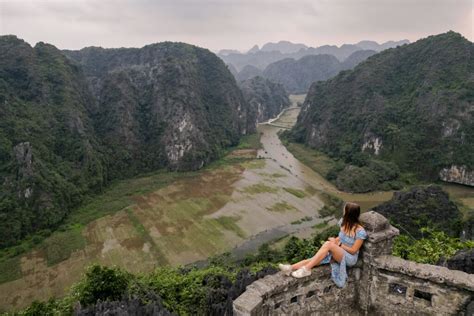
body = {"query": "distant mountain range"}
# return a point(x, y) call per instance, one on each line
point(272, 52)
point(296, 76)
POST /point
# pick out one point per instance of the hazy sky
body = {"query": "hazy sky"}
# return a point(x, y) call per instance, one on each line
point(239, 24)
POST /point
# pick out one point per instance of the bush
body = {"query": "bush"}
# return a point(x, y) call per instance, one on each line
point(101, 283)
point(429, 249)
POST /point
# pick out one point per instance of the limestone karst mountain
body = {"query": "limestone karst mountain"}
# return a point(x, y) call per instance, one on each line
point(50, 154)
point(69, 125)
point(284, 47)
point(266, 98)
point(248, 72)
point(356, 58)
point(298, 75)
point(272, 52)
point(411, 105)
point(169, 100)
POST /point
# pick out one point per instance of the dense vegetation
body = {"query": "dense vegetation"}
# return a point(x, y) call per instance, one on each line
point(265, 98)
point(185, 290)
point(411, 105)
point(422, 207)
point(431, 248)
point(166, 104)
point(430, 225)
point(49, 153)
point(209, 290)
point(69, 127)
point(362, 174)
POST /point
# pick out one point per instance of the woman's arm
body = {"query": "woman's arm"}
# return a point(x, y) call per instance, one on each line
point(355, 247)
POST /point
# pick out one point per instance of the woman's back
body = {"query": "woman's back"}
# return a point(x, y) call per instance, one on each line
point(349, 240)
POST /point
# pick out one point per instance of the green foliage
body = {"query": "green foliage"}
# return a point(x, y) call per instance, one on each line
point(299, 249)
point(45, 117)
point(360, 173)
point(433, 246)
point(266, 99)
point(371, 175)
point(422, 206)
point(332, 205)
point(229, 223)
point(251, 141)
point(10, 269)
point(183, 292)
point(259, 188)
point(412, 99)
point(281, 207)
point(298, 193)
point(101, 283)
point(61, 244)
point(301, 220)
point(61, 142)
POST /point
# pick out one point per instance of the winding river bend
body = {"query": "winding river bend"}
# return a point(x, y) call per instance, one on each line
point(234, 207)
point(279, 159)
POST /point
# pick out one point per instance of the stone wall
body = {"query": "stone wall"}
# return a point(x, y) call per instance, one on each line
point(422, 289)
point(379, 284)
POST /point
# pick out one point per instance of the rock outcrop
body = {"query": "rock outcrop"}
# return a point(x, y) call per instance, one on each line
point(457, 174)
point(420, 207)
point(462, 260)
point(164, 105)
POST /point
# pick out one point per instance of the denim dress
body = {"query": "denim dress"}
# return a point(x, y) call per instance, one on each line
point(338, 269)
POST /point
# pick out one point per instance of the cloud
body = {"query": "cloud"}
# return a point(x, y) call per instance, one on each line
point(217, 24)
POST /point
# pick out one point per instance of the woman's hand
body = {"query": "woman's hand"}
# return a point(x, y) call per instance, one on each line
point(333, 239)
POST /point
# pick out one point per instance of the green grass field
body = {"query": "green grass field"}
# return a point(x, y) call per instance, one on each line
point(314, 159)
point(298, 193)
point(281, 207)
point(119, 195)
point(259, 188)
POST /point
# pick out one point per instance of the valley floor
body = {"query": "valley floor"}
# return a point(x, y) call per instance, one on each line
point(252, 196)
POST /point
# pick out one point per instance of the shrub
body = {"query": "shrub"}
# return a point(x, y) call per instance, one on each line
point(429, 249)
point(101, 283)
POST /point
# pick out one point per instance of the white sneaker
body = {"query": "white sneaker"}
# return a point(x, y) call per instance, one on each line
point(285, 268)
point(301, 273)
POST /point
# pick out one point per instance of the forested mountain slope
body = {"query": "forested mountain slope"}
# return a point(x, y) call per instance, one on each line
point(266, 98)
point(412, 105)
point(69, 125)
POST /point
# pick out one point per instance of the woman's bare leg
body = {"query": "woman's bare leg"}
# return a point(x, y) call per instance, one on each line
point(336, 251)
point(299, 264)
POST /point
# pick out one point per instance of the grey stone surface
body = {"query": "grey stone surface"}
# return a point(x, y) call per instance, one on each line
point(373, 221)
point(435, 274)
point(379, 284)
point(457, 174)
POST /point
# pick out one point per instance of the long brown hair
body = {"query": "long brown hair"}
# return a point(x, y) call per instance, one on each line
point(350, 219)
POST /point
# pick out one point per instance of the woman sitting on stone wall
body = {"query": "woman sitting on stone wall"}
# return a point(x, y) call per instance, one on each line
point(339, 251)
